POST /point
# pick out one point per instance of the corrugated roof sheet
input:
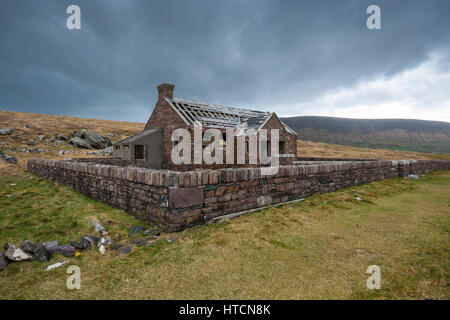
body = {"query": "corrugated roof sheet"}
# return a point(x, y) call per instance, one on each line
point(221, 117)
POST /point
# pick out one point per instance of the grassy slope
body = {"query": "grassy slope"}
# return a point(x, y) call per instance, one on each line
point(303, 250)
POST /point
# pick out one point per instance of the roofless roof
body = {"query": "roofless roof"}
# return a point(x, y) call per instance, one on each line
point(221, 117)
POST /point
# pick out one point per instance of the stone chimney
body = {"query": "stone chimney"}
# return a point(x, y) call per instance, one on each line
point(165, 90)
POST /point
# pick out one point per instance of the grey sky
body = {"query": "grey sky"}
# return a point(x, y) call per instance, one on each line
point(291, 57)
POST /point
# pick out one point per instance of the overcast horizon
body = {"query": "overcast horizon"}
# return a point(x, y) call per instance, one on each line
point(295, 58)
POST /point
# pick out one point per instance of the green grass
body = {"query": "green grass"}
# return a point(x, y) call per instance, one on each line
point(316, 249)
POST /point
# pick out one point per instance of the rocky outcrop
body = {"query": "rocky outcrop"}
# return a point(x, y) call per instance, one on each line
point(90, 140)
point(104, 152)
point(8, 158)
point(6, 131)
point(80, 143)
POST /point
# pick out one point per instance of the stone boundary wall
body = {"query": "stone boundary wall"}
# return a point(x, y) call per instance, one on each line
point(331, 159)
point(178, 200)
point(111, 161)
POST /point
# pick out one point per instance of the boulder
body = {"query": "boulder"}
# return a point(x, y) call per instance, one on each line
point(6, 131)
point(14, 253)
point(80, 143)
point(41, 254)
point(28, 246)
point(97, 140)
point(77, 245)
point(89, 241)
point(50, 244)
point(90, 140)
point(68, 251)
point(3, 261)
point(8, 158)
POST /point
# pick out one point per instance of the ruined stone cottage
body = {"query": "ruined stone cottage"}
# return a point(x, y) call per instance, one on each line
point(153, 147)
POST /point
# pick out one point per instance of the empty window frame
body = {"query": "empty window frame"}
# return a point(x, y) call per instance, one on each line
point(282, 147)
point(139, 152)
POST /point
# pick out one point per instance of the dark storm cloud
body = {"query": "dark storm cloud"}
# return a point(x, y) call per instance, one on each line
point(263, 54)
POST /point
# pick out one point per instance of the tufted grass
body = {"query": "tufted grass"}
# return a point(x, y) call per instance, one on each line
point(316, 249)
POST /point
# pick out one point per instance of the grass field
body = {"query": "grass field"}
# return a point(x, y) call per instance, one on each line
point(316, 249)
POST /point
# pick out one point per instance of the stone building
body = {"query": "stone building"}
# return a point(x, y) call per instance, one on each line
point(153, 146)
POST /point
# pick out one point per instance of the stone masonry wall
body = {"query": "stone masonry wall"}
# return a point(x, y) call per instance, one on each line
point(181, 199)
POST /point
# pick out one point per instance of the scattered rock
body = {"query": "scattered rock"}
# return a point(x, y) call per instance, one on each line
point(113, 134)
point(61, 137)
point(15, 254)
point(134, 230)
point(31, 142)
point(152, 232)
point(8, 158)
point(413, 177)
point(6, 131)
point(95, 239)
point(101, 249)
point(41, 137)
point(125, 250)
point(56, 265)
point(68, 251)
point(28, 246)
point(62, 152)
point(50, 244)
point(140, 242)
point(89, 241)
point(77, 245)
point(3, 261)
point(103, 152)
point(31, 150)
point(172, 239)
point(41, 254)
point(98, 227)
point(105, 241)
point(116, 246)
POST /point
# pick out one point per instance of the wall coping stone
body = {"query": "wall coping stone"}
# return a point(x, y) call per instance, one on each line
point(203, 177)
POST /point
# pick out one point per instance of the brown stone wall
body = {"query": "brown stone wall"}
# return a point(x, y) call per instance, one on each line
point(181, 199)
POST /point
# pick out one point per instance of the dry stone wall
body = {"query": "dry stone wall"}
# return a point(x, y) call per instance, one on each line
point(181, 199)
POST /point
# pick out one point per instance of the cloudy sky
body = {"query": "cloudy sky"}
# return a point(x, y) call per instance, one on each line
point(292, 57)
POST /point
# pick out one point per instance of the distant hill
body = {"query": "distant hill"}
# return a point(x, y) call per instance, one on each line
point(400, 134)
